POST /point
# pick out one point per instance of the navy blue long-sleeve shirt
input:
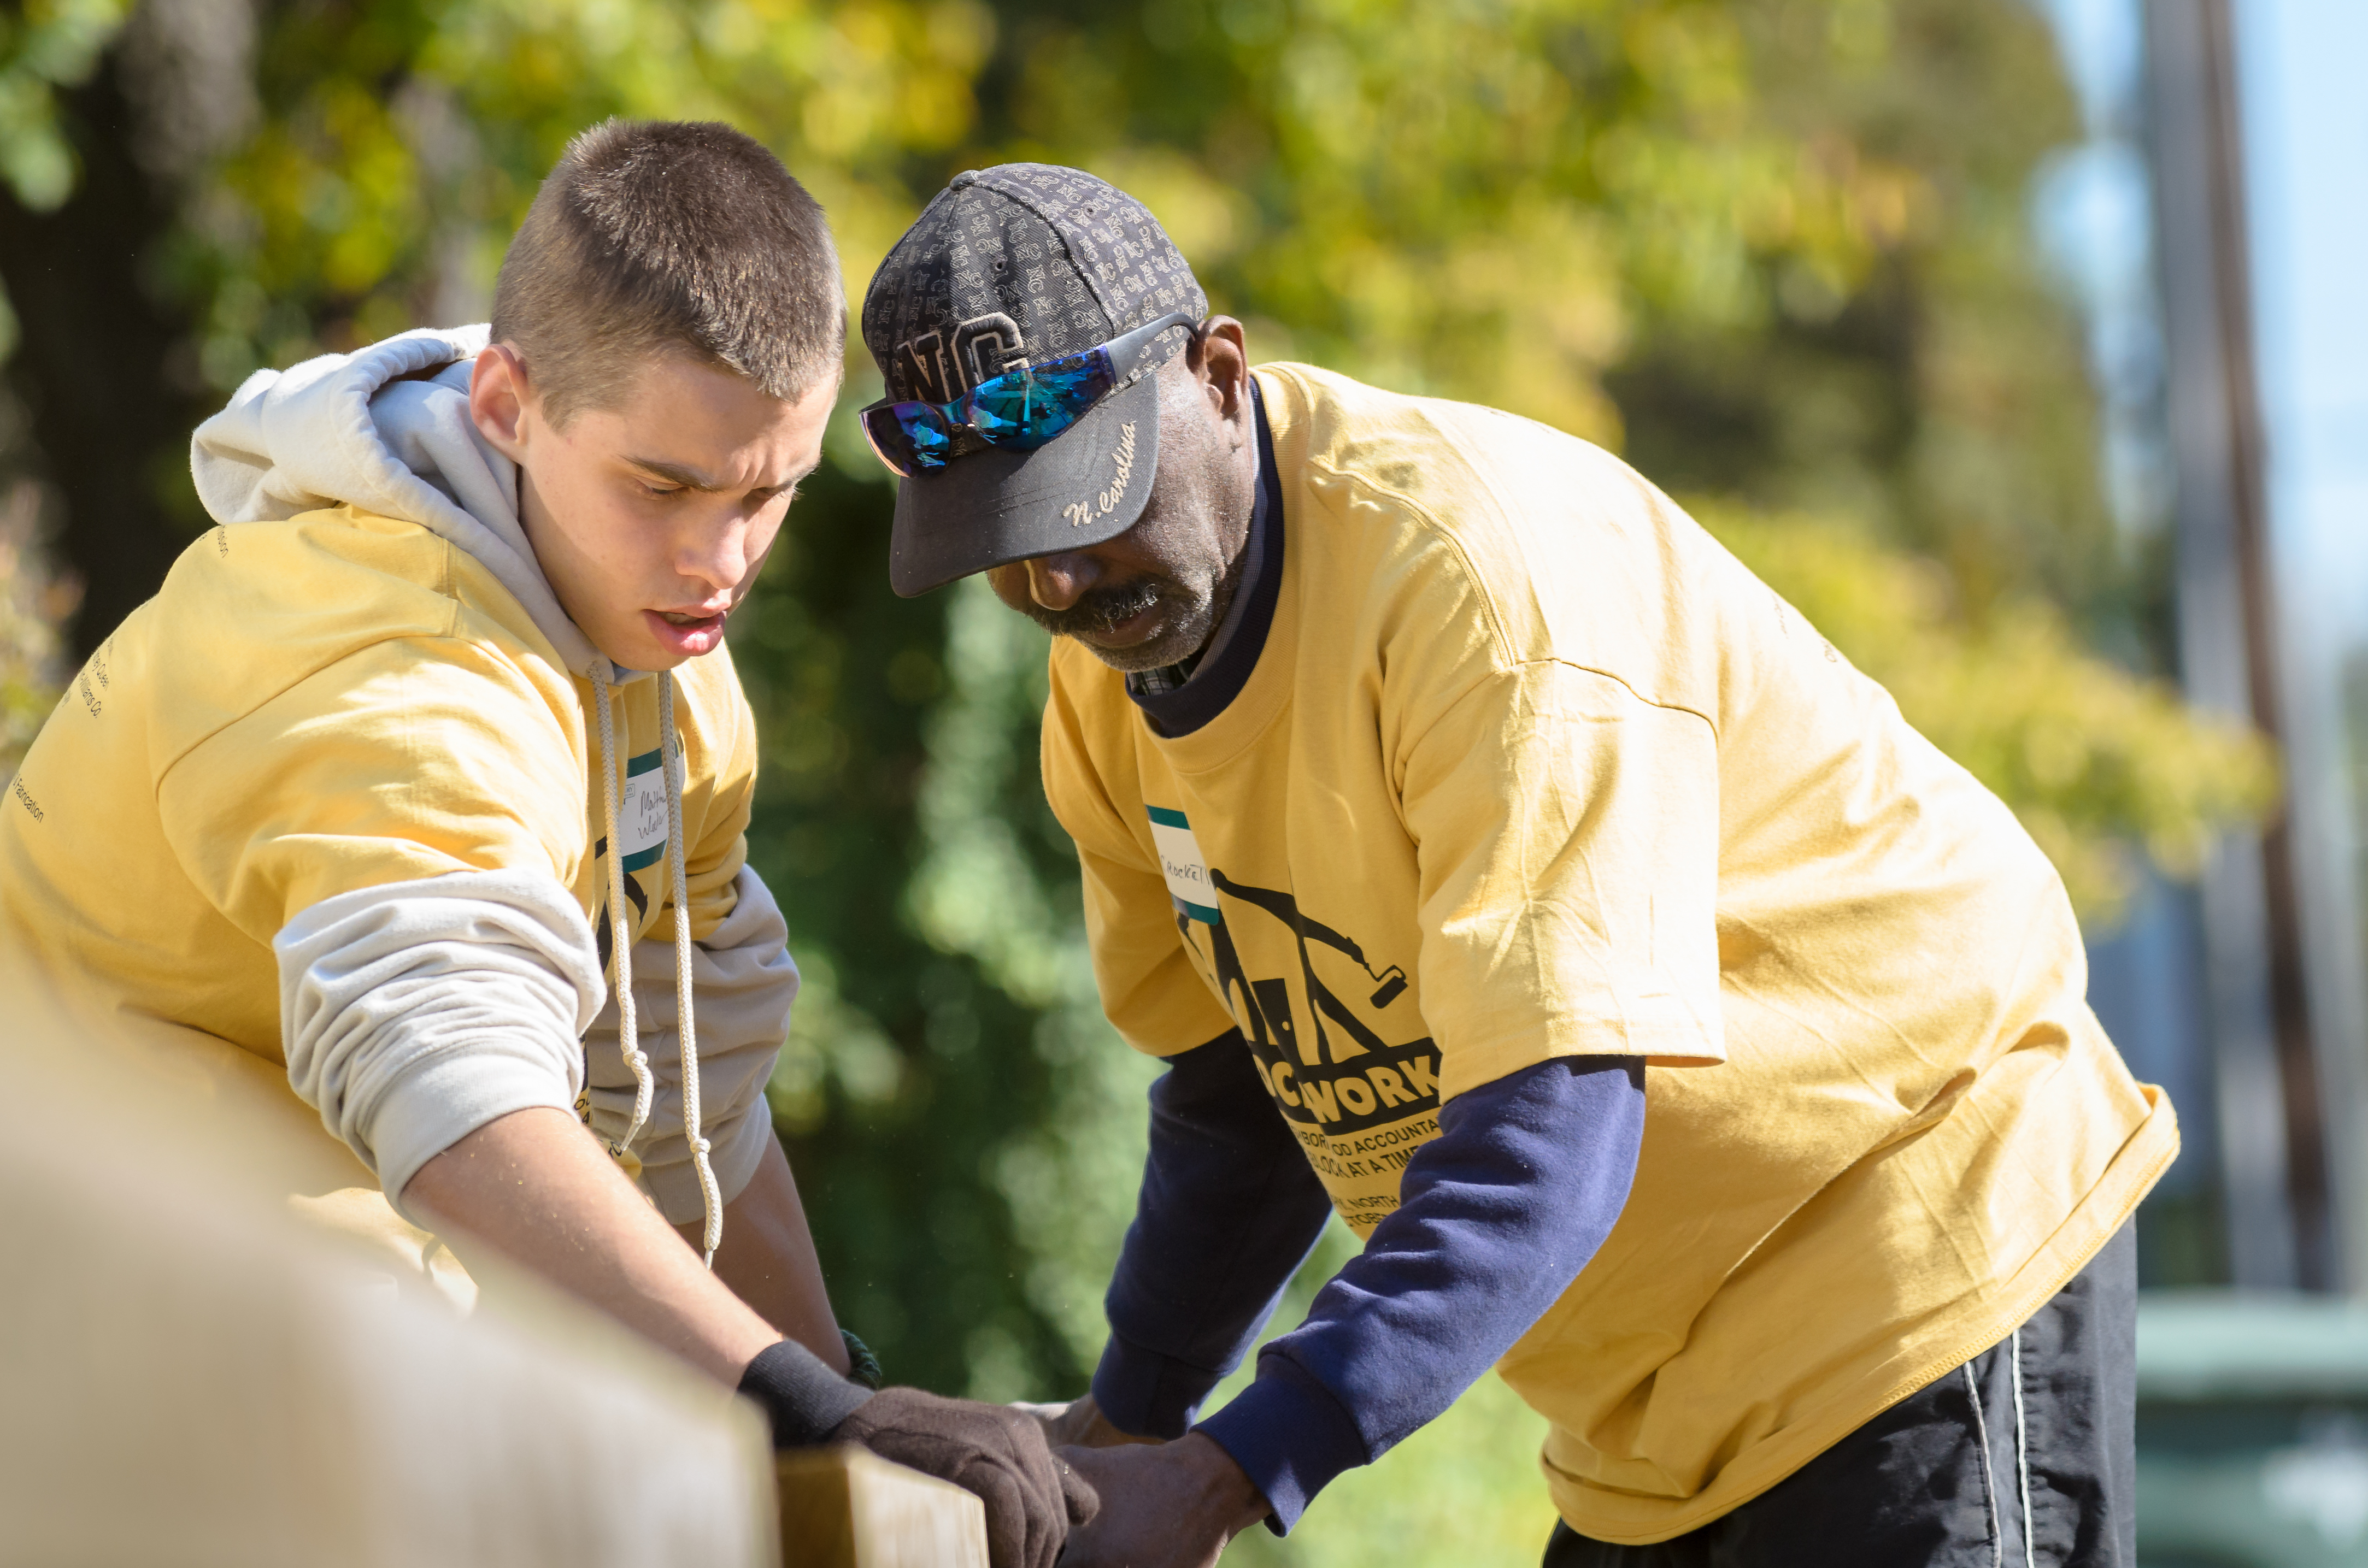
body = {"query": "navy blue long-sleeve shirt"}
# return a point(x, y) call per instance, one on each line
point(1496, 1217)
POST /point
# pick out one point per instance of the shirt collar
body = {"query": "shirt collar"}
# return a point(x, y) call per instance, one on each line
point(1180, 697)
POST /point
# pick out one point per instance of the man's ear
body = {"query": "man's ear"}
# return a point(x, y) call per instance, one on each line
point(1223, 364)
point(499, 395)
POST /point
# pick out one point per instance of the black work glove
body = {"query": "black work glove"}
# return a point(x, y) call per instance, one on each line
point(802, 1399)
point(991, 1450)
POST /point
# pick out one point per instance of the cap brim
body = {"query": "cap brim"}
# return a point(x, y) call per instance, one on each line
point(992, 508)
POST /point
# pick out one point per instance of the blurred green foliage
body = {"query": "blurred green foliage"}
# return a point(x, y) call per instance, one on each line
point(45, 45)
point(1776, 251)
point(32, 603)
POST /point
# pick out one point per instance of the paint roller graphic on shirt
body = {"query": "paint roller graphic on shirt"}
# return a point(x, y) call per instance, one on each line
point(1328, 1070)
point(1373, 1101)
point(1193, 889)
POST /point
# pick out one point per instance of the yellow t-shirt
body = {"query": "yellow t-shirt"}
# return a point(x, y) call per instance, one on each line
point(1529, 766)
point(336, 702)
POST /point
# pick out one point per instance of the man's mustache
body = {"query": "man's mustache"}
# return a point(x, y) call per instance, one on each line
point(1100, 609)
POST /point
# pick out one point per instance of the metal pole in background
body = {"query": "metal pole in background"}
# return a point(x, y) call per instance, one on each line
point(2274, 1166)
point(2316, 593)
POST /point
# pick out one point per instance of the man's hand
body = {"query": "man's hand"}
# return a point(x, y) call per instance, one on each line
point(1170, 1505)
point(1079, 1424)
point(1031, 1497)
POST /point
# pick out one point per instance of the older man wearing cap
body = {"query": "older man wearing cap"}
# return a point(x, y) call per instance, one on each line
point(1497, 865)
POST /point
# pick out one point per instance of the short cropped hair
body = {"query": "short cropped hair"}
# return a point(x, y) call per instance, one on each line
point(661, 236)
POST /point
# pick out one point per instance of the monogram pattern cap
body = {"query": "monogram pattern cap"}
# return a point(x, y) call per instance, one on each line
point(1018, 264)
point(1013, 266)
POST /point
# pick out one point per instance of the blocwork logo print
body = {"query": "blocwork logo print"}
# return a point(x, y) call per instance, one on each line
point(1358, 1104)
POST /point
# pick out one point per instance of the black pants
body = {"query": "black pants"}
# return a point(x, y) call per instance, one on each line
point(2025, 1457)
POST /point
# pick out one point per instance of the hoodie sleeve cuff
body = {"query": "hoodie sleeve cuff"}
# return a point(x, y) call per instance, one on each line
point(1145, 1394)
point(1291, 1436)
point(443, 1099)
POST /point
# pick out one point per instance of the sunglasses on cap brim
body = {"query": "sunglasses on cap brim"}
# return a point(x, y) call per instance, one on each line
point(1020, 409)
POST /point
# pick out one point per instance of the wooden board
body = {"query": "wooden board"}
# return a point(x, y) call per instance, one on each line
point(845, 1508)
point(189, 1374)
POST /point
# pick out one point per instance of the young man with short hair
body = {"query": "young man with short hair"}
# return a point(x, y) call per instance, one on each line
point(1498, 865)
point(429, 760)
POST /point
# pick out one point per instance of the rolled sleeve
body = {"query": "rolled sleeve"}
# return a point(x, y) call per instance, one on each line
point(414, 1013)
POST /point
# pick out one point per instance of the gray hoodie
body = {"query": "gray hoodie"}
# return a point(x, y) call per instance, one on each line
point(414, 1013)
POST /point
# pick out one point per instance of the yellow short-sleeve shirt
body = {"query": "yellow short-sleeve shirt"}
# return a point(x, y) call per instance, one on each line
point(1529, 766)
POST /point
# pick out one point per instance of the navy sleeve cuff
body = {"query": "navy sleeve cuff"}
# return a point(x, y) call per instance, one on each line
point(1290, 1435)
point(1229, 1207)
point(1146, 1394)
point(1498, 1215)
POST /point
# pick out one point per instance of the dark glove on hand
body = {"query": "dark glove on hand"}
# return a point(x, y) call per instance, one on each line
point(991, 1450)
point(802, 1399)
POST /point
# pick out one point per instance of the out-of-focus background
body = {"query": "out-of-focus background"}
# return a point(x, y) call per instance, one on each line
point(2018, 343)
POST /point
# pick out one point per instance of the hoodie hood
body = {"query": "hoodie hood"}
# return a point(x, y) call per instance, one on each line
point(386, 430)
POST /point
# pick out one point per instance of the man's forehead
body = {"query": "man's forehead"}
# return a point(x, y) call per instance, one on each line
point(770, 466)
point(711, 429)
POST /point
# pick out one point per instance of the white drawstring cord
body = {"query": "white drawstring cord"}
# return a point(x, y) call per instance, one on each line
point(678, 780)
point(2022, 1454)
point(1990, 1471)
point(620, 930)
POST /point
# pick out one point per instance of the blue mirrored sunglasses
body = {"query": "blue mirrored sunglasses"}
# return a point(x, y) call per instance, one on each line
point(1020, 409)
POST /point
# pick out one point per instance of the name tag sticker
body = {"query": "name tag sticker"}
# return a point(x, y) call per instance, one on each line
point(641, 812)
point(1182, 863)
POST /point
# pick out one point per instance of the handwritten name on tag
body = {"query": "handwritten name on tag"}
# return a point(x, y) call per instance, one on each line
point(1182, 863)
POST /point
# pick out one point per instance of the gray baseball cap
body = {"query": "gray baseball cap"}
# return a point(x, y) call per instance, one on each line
point(1013, 265)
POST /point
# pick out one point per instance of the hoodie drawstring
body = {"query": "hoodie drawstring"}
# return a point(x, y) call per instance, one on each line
point(678, 780)
point(674, 782)
point(620, 938)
